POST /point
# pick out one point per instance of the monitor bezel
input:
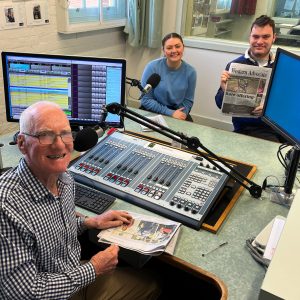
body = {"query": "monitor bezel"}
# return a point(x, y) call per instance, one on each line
point(290, 138)
point(73, 123)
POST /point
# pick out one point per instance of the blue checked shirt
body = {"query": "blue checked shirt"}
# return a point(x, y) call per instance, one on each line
point(39, 250)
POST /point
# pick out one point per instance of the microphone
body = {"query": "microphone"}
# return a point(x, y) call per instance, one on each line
point(151, 83)
point(87, 138)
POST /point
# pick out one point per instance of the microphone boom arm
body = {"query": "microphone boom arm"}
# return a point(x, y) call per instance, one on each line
point(133, 82)
point(193, 143)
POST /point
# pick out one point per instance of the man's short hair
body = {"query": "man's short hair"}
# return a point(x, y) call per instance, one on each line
point(263, 21)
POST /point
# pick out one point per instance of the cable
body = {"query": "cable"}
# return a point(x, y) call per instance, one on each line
point(266, 186)
point(280, 156)
point(257, 253)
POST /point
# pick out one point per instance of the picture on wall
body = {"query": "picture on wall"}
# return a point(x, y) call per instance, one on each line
point(12, 15)
point(9, 15)
point(37, 13)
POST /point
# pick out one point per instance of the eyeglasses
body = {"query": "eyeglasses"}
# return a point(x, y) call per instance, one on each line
point(48, 137)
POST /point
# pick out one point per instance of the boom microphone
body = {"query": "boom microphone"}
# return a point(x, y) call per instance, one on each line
point(151, 83)
point(87, 138)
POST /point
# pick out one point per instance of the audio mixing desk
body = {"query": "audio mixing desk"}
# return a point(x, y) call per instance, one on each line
point(168, 181)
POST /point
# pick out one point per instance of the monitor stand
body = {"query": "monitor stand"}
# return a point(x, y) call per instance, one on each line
point(285, 196)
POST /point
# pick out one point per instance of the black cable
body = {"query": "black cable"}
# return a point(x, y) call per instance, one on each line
point(257, 254)
point(272, 187)
point(283, 161)
point(280, 156)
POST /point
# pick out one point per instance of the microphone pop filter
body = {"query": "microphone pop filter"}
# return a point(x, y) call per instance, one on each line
point(85, 139)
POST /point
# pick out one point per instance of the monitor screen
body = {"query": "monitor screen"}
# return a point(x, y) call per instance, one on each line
point(81, 86)
point(282, 104)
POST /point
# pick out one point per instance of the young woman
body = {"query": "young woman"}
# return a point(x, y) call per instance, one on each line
point(174, 95)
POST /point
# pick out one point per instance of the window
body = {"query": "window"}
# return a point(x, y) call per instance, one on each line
point(230, 20)
point(85, 15)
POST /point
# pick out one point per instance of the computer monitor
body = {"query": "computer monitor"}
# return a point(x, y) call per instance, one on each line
point(282, 103)
point(81, 86)
point(282, 106)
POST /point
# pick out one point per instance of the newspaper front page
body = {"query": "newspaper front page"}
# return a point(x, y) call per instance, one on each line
point(146, 234)
point(245, 89)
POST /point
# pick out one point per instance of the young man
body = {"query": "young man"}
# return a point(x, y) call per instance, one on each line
point(262, 37)
point(39, 249)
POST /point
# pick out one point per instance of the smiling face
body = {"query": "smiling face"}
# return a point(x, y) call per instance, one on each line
point(46, 161)
point(261, 40)
point(173, 51)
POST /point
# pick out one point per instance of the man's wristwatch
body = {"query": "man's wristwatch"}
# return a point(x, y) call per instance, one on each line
point(81, 222)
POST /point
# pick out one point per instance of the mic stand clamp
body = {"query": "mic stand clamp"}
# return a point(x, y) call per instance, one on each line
point(193, 143)
point(132, 82)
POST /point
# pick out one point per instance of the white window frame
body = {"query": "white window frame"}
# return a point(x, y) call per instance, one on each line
point(64, 26)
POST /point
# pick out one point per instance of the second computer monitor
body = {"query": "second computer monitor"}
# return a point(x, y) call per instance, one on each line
point(282, 103)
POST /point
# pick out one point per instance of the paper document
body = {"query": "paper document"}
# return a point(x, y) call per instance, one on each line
point(274, 238)
point(146, 234)
point(159, 119)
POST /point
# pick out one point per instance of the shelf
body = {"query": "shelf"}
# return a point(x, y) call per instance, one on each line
point(225, 21)
point(222, 32)
point(289, 36)
point(219, 13)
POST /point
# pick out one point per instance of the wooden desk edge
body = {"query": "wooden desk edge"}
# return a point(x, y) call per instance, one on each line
point(230, 205)
point(195, 271)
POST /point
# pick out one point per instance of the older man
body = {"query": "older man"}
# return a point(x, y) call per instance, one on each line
point(39, 250)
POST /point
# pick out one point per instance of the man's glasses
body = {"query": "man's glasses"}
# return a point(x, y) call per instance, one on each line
point(48, 137)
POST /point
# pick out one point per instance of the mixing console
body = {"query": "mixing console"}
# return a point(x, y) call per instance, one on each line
point(176, 184)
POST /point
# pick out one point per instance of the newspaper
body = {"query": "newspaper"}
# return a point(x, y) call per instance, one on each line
point(245, 89)
point(146, 234)
point(159, 119)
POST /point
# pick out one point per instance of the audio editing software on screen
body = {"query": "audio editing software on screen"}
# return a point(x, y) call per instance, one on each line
point(81, 88)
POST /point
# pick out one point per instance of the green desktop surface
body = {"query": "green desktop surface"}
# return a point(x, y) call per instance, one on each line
point(231, 263)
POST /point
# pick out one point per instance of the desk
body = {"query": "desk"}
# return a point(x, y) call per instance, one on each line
point(232, 263)
point(285, 263)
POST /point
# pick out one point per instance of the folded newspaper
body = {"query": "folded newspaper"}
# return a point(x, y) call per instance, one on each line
point(146, 234)
point(246, 89)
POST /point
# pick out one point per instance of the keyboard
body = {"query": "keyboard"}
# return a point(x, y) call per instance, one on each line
point(92, 199)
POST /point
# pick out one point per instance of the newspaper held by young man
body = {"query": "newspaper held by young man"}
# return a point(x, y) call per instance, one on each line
point(246, 89)
point(146, 234)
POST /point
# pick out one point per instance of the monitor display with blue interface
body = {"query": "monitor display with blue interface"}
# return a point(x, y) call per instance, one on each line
point(282, 103)
point(81, 86)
